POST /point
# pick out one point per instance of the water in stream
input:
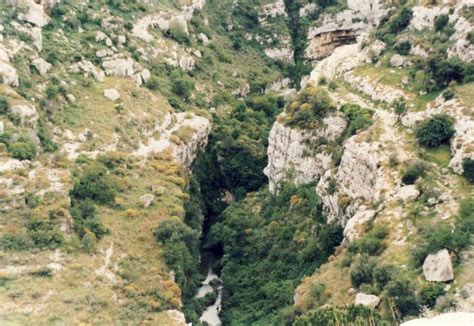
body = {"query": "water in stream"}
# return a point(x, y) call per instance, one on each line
point(211, 314)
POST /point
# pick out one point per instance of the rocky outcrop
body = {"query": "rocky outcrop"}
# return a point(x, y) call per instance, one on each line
point(42, 66)
point(88, 68)
point(342, 28)
point(450, 318)
point(285, 54)
point(272, 10)
point(32, 11)
point(27, 113)
point(462, 143)
point(120, 67)
point(437, 267)
point(290, 160)
point(8, 74)
point(112, 94)
point(367, 300)
point(355, 223)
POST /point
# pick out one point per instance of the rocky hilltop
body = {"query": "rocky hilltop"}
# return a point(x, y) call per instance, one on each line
point(322, 152)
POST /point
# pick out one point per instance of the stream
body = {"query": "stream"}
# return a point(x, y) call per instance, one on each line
point(211, 314)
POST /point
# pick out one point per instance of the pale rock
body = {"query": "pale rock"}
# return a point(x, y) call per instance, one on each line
point(177, 317)
point(27, 113)
point(118, 67)
point(145, 75)
point(2, 127)
point(397, 60)
point(8, 74)
point(437, 267)
point(287, 155)
point(100, 36)
point(112, 94)
point(147, 200)
point(42, 66)
point(278, 85)
point(451, 318)
point(242, 91)
point(419, 51)
point(272, 10)
point(423, 17)
point(468, 291)
point(408, 194)
point(203, 38)
point(31, 11)
point(88, 68)
point(308, 9)
point(367, 300)
point(104, 53)
point(362, 216)
point(121, 40)
point(70, 98)
point(285, 54)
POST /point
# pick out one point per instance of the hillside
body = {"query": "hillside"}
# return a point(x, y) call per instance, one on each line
point(313, 158)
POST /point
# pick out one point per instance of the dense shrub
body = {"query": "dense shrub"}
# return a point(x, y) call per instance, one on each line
point(394, 24)
point(22, 150)
point(181, 251)
point(357, 118)
point(440, 22)
point(435, 131)
point(44, 233)
point(414, 171)
point(362, 271)
point(177, 32)
point(95, 184)
point(429, 293)
point(401, 293)
point(309, 108)
point(183, 87)
point(400, 106)
point(351, 315)
point(4, 105)
point(153, 83)
point(468, 167)
point(85, 219)
point(372, 243)
point(448, 94)
point(403, 48)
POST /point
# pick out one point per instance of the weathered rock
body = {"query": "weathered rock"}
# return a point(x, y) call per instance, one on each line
point(285, 54)
point(468, 291)
point(42, 66)
point(451, 318)
point(437, 267)
point(8, 74)
point(2, 127)
point(272, 10)
point(363, 215)
point(397, 60)
point(407, 194)
point(31, 11)
point(118, 67)
point(367, 300)
point(147, 200)
point(112, 94)
point(104, 53)
point(203, 38)
point(88, 68)
point(27, 113)
point(288, 157)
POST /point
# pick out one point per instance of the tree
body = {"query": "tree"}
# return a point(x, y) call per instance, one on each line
point(435, 131)
point(468, 167)
point(95, 184)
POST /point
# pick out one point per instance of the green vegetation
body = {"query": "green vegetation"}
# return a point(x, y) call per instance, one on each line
point(44, 233)
point(181, 252)
point(393, 24)
point(357, 117)
point(4, 105)
point(429, 293)
point(435, 131)
point(352, 315)
point(267, 253)
point(372, 244)
point(415, 170)
point(468, 169)
point(309, 108)
point(96, 185)
point(23, 149)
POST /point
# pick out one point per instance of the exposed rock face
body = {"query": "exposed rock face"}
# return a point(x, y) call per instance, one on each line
point(397, 61)
point(112, 94)
point(119, 67)
point(271, 10)
point(42, 66)
point(362, 216)
point(27, 113)
point(367, 300)
point(183, 151)
point(147, 200)
point(88, 68)
point(462, 143)
point(8, 74)
point(31, 11)
point(289, 159)
point(437, 267)
point(280, 53)
point(451, 318)
point(407, 194)
point(343, 28)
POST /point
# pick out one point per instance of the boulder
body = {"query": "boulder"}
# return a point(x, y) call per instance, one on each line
point(203, 38)
point(397, 60)
point(407, 194)
point(112, 94)
point(362, 216)
point(468, 291)
point(32, 11)
point(367, 300)
point(146, 200)
point(438, 268)
point(88, 68)
point(118, 67)
point(42, 66)
point(8, 74)
point(446, 319)
point(27, 113)
point(2, 127)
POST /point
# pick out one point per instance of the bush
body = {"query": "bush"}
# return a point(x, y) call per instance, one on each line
point(182, 87)
point(22, 150)
point(362, 271)
point(310, 107)
point(403, 48)
point(468, 167)
point(441, 22)
point(178, 33)
point(86, 223)
point(44, 233)
point(357, 117)
point(400, 106)
point(153, 83)
point(414, 171)
point(351, 315)
point(401, 293)
point(95, 184)
point(430, 293)
point(372, 243)
point(4, 105)
point(435, 131)
point(448, 94)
